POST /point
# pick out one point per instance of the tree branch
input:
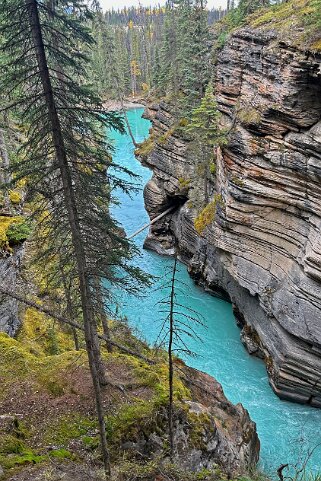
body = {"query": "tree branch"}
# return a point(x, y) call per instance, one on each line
point(73, 324)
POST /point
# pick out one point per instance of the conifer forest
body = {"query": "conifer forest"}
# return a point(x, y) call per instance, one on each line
point(160, 253)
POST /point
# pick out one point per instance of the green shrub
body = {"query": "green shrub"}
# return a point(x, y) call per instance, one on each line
point(212, 168)
point(221, 40)
point(250, 116)
point(61, 454)
point(11, 445)
point(18, 231)
point(183, 183)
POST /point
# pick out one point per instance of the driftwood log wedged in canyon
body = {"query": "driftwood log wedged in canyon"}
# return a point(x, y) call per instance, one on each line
point(263, 248)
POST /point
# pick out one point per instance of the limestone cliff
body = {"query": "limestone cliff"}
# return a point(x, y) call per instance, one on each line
point(262, 250)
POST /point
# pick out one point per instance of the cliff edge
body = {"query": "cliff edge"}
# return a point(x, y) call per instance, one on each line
point(261, 247)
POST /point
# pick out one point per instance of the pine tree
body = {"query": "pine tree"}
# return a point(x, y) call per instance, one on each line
point(104, 59)
point(195, 51)
point(204, 122)
point(206, 134)
point(168, 72)
point(185, 54)
point(65, 157)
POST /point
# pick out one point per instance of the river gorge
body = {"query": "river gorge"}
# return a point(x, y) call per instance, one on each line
point(284, 428)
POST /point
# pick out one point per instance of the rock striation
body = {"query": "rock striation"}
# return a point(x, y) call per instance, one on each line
point(263, 248)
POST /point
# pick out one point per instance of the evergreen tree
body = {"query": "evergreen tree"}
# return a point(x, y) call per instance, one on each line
point(206, 135)
point(196, 51)
point(168, 71)
point(65, 157)
point(104, 59)
point(204, 121)
point(185, 54)
point(158, 50)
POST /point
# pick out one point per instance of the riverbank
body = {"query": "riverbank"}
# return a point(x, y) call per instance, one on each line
point(48, 423)
point(128, 104)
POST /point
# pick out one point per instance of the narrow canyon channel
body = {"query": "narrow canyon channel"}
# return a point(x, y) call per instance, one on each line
point(285, 430)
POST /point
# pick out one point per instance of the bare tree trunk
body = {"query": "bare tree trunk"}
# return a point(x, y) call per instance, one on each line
point(104, 322)
point(103, 316)
point(120, 96)
point(170, 362)
point(128, 124)
point(68, 193)
point(76, 339)
point(5, 164)
point(70, 312)
point(106, 330)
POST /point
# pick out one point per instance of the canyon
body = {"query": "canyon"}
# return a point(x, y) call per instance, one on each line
point(261, 250)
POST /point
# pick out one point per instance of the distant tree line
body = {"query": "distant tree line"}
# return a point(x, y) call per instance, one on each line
point(157, 50)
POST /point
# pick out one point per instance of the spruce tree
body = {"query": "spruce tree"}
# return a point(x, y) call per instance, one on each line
point(185, 54)
point(204, 124)
point(65, 157)
point(194, 51)
point(206, 135)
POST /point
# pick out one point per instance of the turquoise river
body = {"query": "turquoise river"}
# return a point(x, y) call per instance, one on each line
point(284, 428)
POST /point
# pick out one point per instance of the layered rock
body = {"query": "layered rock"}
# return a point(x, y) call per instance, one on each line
point(262, 250)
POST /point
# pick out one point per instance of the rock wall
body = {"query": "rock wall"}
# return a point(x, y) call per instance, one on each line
point(227, 437)
point(9, 308)
point(263, 249)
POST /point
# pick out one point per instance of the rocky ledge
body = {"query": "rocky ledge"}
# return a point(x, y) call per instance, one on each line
point(263, 249)
point(54, 401)
point(209, 431)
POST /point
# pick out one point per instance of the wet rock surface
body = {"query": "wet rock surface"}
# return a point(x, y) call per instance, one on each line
point(262, 250)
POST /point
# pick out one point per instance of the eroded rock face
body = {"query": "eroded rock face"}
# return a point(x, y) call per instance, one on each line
point(209, 431)
point(263, 250)
point(227, 437)
point(9, 308)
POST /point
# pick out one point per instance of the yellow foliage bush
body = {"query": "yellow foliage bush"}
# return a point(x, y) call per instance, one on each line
point(316, 46)
point(5, 223)
point(207, 215)
point(15, 197)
